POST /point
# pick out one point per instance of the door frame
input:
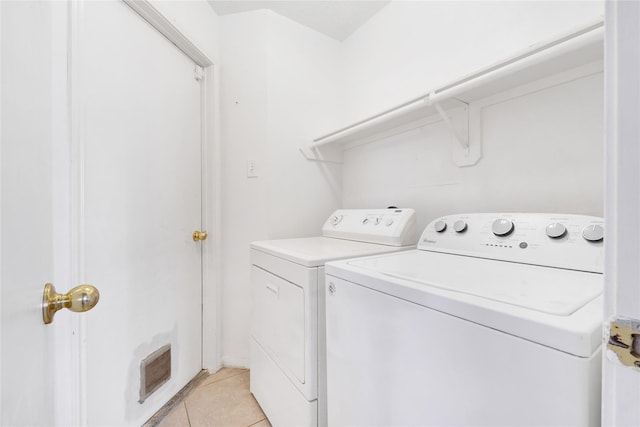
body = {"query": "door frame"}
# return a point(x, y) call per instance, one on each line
point(73, 394)
point(620, 391)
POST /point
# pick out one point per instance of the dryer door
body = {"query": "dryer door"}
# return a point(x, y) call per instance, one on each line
point(279, 323)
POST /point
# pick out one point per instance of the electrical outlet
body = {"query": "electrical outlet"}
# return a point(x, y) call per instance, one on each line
point(252, 170)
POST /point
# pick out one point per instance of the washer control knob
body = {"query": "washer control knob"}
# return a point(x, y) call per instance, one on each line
point(460, 226)
point(593, 233)
point(556, 230)
point(335, 220)
point(502, 227)
point(388, 222)
point(440, 226)
point(365, 221)
point(377, 220)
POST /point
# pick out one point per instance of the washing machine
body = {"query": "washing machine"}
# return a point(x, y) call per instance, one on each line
point(494, 320)
point(288, 365)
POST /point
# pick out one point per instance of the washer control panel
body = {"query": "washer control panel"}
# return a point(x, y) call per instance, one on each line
point(393, 227)
point(554, 240)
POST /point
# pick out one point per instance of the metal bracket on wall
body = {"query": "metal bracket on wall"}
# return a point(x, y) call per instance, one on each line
point(314, 155)
point(461, 136)
point(466, 150)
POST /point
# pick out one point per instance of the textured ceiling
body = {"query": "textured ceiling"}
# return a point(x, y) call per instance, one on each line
point(334, 18)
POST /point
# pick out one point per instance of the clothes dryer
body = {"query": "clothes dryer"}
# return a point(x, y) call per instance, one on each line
point(494, 320)
point(288, 365)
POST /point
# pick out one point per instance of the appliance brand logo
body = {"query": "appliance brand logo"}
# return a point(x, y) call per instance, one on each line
point(428, 241)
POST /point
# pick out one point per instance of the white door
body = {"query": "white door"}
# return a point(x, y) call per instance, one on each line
point(621, 384)
point(120, 216)
point(34, 238)
point(141, 140)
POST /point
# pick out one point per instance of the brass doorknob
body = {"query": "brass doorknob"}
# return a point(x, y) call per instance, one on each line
point(79, 299)
point(199, 235)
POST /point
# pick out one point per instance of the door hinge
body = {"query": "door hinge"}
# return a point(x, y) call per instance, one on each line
point(198, 73)
point(624, 341)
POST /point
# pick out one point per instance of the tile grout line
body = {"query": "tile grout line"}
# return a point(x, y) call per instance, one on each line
point(246, 372)
point(219, 381)
point(204, 389)
point(264, 419)
point(177, 399)
point(186, 410)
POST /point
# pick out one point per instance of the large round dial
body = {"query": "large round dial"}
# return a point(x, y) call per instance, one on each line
point(335, 220)
point(440, 226)
point(556, 230)
point(502, 227)
point(460, 226)
point(593, 233)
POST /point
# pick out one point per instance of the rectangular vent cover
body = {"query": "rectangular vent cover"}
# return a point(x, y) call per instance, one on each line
point(155, 370)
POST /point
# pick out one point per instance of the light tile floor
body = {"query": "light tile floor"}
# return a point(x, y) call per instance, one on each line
point(222, 400)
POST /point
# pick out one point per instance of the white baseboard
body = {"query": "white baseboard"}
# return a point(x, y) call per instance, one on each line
point(235, 362)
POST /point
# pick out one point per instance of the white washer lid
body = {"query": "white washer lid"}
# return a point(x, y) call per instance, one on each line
point(548, 290)
point(315, 251)
point(558, 308)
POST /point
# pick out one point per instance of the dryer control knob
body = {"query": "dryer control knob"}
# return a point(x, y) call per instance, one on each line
point(365, 221)
point(388, 222)
point(335, 220)
point(556, 230)
point(502, 227)
point(593, 233)
point(440, 226)
point(460, 226)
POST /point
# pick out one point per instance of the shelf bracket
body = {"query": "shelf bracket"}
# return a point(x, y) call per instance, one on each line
point(466, 152)
point(461, 137)
point(314, 155)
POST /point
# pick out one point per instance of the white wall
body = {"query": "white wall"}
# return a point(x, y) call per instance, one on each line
point(279, 79)
point(243, 129)
point(411, 47)
point(303, 97)
point(541, 152)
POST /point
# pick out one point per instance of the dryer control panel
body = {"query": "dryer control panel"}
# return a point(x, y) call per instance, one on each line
point(393, 227)
point(554, 240)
